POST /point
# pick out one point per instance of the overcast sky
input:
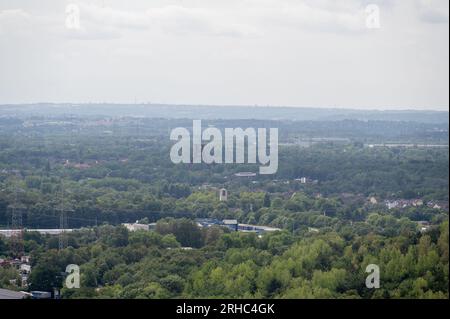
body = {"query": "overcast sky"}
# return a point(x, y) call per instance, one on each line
point(314, 53)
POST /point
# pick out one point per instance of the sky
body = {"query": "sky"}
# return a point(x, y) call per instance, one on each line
point(364, 54)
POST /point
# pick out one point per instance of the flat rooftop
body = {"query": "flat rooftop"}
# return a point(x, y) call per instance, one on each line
point(11, 294)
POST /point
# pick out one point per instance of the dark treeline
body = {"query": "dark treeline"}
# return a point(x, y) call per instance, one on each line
point(218, 264)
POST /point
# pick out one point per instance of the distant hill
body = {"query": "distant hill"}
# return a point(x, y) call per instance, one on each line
point(223, 112)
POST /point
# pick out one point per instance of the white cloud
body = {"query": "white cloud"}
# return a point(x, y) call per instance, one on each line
point(315, 18)
point(13, 20)
point(433, 11)
point(249, 18)
point(173, 19)
point(13, 15)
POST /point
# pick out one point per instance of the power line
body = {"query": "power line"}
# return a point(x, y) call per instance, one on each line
point(62, 220)
point(17, 227)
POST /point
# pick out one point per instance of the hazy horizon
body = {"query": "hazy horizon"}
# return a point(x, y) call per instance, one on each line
point(150, 104)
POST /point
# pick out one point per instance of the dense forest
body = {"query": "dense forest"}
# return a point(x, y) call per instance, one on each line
point(332, 198)
point(118, 264)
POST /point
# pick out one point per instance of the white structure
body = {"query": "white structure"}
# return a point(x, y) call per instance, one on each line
point(10, 294)
point(417, 203)
point(302, 180)
point(136, 226)
point(25, 259)
point(56, 231)
point(25, 269)
point(256, 228)
point(424, 226)
point(392, 205)
point(223, 196)
point(231, 224)
point(245, 174)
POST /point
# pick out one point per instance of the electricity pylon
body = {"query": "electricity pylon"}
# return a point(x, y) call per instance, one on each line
point(17, 232)
point(62, 220)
